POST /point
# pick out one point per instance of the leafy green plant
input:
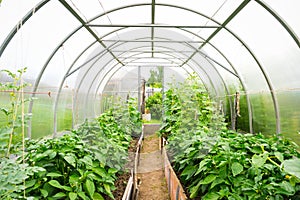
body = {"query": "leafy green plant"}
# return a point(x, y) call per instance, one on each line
point(216, 163)
point(154, 103)
point(72, 170)
point(82, 164)
point(172, 114)
point(12, 176)
point(239, 166)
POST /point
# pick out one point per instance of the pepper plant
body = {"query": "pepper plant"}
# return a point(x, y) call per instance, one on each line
point(72, 170)
point(83, 164)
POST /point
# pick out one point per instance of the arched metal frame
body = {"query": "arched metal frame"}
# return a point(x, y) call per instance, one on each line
point(250, 113)
point(206, 73)
point(226, 89)
point(81, 81)
point(250, 120)
point(244, 3)
point(56, 102)
point(97, 90)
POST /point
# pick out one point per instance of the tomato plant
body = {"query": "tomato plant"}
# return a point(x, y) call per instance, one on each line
point(216, 163)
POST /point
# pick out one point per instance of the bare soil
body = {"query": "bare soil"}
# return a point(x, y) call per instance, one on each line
point(120, 184)
point(122, 178)
point(153, 183)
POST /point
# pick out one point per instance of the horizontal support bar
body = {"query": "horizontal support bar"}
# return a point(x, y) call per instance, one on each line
point(141, 62)
point(150, 25)
point(151, 65)
point(155, 57)
point(158, 41)
point(150, 51)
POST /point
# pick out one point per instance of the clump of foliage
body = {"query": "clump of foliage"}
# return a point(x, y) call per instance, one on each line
point(72, 170)
point(82, 164)
point(240, 166)
point(216, 163)
point(154, 104)
point(172, 114)
point(13, 173)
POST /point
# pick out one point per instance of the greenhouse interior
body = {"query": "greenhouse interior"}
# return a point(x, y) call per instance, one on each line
point(150, 99)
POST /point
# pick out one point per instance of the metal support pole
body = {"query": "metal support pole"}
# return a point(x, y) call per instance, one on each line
point(139, 88)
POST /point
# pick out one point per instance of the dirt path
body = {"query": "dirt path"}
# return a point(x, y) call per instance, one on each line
point(153, 183)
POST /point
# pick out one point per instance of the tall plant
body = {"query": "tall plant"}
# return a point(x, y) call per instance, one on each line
point(10, 133)
point(14, 171)
point(216, 163)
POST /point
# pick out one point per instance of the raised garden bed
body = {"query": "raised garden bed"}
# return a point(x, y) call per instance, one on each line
point(176, 191)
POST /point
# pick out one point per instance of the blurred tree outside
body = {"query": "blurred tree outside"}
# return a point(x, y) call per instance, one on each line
point(156, 77)
point(154, 95)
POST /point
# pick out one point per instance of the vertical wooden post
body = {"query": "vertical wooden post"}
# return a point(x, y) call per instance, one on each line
point(236, 113)
point(143, 97)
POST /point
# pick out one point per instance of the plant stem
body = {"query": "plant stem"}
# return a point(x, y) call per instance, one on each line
point(272, 161)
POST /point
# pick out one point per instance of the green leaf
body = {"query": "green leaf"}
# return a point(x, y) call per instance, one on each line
point(292, 167)
point(112, 170)
point(194, 190)
point(71, 160)
point(90, 187)
point(202, 166)
point(285, 188)
point(211, 196)
point(30, 183)
point(97, 196)
point(5, 111)
point(72, 195)
point(44, 193)
point(236, 168)
point(55, 183)
point(59, 195)
point(47, 187)
point(259, 160)
point(100, 171)
point(108, 190)
point(217, 181)
point(210, 178)
point(107, 187)
point(82, 195)
point(188, 172)
point(279, 156)
point(67, 188)
point(53, 174)
point(256, 149)
point(74, 178)
point(87, 160)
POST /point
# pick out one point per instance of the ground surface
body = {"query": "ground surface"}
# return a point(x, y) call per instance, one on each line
point(153, 183)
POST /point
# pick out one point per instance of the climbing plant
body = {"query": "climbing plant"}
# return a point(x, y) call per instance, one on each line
point(10, 134)
point(216, 163)
point(14, 171)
